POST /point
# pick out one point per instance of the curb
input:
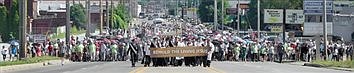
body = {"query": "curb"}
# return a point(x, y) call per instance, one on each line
point(313, 65)
point(321, 66)
point(30, 66)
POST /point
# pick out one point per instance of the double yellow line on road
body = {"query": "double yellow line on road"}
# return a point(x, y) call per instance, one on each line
point(139, 70)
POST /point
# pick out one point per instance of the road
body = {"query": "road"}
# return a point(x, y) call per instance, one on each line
point(217, 67)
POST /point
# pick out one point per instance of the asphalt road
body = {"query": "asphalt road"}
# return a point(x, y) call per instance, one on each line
point(217, 67)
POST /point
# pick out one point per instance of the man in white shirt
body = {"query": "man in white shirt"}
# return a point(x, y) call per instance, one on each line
point(208, 58)
point(4, 53)
point(147, 54)
point(180, 43)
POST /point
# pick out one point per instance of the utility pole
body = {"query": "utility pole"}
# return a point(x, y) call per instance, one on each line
point(68, 25)
point(222, 14)
point(101, 17)
point(259, 20)
point(325, 26)
point(107, 15)
point(215, 14)
point(111, 22)
point(238, 17)
point(88, 18)
point(177, 3)
point(23, 27)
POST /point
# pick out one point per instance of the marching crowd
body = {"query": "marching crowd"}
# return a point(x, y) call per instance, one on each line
point(225, 46)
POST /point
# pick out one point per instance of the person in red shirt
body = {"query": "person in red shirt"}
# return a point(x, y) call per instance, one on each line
point(38, 50)
point(50, 49)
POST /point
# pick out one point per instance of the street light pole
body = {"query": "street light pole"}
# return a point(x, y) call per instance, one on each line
point(325, 26)
point(259, 20)
point(238, 17)
point(215, 14)
point(23, 27)
point(68, 25)
point(222, 14)
point(88, 18)
point(101, 17)
point(107, 15)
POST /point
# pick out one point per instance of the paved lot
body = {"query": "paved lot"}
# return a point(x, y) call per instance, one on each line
point(217, 67)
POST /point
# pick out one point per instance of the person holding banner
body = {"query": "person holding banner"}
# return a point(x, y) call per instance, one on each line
point(154, 45)
point(147, 54)
point(180, 59)
point(207, 58)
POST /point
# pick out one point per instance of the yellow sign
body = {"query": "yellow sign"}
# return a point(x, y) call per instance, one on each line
point(277, 29)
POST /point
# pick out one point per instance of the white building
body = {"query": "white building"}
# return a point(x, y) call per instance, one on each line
point(313, 10)
point(343, 21)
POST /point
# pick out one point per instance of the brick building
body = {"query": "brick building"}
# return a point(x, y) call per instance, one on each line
point(49, 15)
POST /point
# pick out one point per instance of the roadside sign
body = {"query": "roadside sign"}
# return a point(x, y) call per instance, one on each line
point(231, 11)
point(295, 17)
point(277, 29)
point(273, 16)
point(315, 7)
point(39, 38)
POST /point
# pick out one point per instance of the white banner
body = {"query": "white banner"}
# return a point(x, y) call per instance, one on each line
point(295, 17)
point(39, 38)
point(273, 16)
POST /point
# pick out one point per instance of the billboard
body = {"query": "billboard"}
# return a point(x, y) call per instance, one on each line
point(315, 7)
point(295, 17)
point(231, 11)
point(273, 16)
point(39, 38)
point(277, 29)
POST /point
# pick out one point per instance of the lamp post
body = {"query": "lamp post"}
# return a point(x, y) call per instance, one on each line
point(215, 14)
point(258, 20)
point(238, 17)
point(68, 25)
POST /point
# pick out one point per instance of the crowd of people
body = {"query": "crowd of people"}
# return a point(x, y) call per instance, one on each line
point(134, 45)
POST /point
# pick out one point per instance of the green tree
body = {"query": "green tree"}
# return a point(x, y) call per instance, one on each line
point(206, 11)
point(3, 14)
point(77, 15)
point(119, 18)
point(9, 28)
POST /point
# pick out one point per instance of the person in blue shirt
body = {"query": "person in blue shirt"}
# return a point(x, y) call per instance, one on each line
point(13, 52)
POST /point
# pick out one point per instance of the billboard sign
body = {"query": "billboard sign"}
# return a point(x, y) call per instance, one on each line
point(273, 16)
point(295, 17)
point(277, 29)
point(231, 11)
point(39, 38)
point(315, 7)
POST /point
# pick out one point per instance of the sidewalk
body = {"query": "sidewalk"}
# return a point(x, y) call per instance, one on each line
point(335, 68)
point(31, 66)
point(319, 66)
